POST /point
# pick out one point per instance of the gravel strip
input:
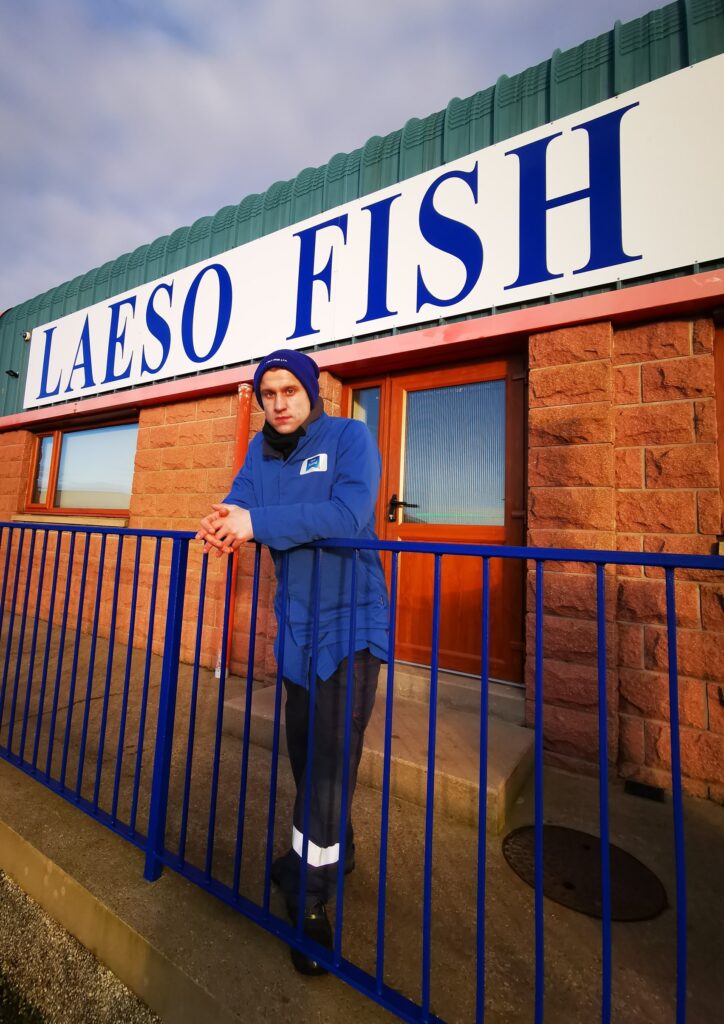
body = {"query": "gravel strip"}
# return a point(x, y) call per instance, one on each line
point(48, 977)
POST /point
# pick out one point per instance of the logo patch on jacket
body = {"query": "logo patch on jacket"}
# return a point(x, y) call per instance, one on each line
point(314, 464)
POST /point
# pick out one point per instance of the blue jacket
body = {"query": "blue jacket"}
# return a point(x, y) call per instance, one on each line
point(326, 488)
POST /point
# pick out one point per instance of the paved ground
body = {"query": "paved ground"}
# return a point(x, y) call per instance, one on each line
point(211, 948)
point(47, 977)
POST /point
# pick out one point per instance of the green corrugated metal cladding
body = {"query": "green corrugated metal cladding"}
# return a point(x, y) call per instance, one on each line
point(664, 41)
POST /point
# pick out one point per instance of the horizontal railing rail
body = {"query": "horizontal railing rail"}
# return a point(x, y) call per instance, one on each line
point(110, 696)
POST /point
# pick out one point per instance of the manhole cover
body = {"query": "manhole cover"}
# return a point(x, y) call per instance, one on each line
point(572, 873)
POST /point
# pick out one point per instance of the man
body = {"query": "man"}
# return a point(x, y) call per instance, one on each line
point(309, 477)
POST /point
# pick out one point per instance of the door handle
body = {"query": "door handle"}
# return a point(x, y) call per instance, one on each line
point(393, 506)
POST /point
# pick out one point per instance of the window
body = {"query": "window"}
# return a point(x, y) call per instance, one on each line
point(80, 470)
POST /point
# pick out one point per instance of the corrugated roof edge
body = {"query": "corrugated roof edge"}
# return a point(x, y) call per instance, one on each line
point(665, 40)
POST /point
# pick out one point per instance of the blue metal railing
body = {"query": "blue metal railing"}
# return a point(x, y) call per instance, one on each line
point(73, 614)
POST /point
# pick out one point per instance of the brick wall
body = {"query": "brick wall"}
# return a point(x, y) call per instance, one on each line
point(16, 447)
point(623, 454)
point(571, 504)
point(669, 499)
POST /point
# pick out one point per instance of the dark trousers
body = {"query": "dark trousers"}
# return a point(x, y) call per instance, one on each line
point(326, 773)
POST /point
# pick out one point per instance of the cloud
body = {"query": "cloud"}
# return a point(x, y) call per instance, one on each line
point(124, 120)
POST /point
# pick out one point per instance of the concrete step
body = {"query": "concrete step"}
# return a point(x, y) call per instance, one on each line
point(506, 701)
point(510, 754)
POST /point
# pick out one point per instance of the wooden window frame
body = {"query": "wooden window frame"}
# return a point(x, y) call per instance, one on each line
point(48, 507)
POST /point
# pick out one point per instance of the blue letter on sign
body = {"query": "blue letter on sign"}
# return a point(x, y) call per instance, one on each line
point(307, 277)
point(85, 363)
point(45, 391)
point(116, 340)
point(222, 320)
point(158, 327)
point(451, 236)
point(603, 195)
point(379, 258)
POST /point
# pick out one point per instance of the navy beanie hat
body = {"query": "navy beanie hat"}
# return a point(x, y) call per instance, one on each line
point(302, 366)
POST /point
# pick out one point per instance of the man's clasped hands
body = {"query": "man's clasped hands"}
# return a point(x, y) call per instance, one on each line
point(225, 529)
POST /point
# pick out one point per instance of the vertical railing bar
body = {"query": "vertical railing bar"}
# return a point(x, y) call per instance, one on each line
point(677, 801)
point(192, 711)
point(61, 652)
point(46, 653)
point(33, 646)
point(483, 794)
point(219, 724)
point(109, 673)
point(603, 798)
point(386, 771)
point(21, 642)
point(430, 800)
point(311, 720)
point(146, 685)
point(8, 550)
point(538, 760)
point(126, 681)
point(161, 771)
point(11, 625)
point(238, 853)
point(74, 664)
point(91, 668)
point(283, 585)
point(344, 803)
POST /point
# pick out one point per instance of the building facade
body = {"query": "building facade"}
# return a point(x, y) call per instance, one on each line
point(523, 298)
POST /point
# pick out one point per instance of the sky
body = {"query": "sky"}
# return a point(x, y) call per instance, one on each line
point(122, 120)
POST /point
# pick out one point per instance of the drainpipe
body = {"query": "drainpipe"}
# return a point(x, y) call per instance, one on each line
point(241, 443)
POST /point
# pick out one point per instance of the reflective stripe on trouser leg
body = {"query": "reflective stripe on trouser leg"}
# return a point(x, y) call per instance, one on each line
point(323, 845)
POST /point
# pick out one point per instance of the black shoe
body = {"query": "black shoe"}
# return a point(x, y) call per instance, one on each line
point(284, 863)
point(318, 929)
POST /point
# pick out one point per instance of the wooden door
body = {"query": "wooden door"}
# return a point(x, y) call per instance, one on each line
point(452, 442)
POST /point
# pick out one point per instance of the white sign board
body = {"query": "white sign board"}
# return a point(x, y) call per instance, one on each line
point(627, 188)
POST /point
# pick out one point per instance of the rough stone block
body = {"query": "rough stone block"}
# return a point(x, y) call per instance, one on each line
point(702, 752)
point(656, 511)
point(218, 405)
point(571, 466)
point(693, 545)
point(152, 416)
point(571, 732)
point(678, 378)
point(705, 426)
point(688, 465)
point(700, 655)
point(584, 424)
point(644, 601)
point(666, 423)
point(570, 385)
point(629, 467)
point(703, 340)
point(652, 341)
point(712, 607)
point(630, 645)
point(715, 703)
point(709, 511)
point(182, 412)
point(627, 384)
point(585, 343)
point(163, 437)
point(631, 740)
point(583, 508)
point(646, 694)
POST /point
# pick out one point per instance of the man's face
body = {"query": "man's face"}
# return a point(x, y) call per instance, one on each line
point(286, 403)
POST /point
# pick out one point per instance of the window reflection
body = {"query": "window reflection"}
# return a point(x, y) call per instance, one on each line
point(366, 407)
point(96, 467)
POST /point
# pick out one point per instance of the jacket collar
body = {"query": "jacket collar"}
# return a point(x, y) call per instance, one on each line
point(309, 427)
